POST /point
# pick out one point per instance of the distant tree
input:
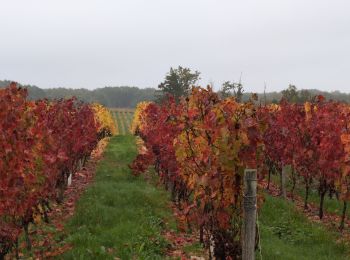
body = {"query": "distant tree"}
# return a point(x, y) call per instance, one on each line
point(274, 101)
point(230, 89)
point(177, 83)
point(304, 95)
point(290, 94)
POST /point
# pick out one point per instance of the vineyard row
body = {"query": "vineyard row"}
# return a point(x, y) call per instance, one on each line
point(42, 143)
point(201, 146)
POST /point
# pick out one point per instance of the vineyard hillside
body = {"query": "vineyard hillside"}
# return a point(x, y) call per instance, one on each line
point(169, 180)
point(123, 119)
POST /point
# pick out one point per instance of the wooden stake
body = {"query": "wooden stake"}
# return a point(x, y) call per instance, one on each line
point(249, 214)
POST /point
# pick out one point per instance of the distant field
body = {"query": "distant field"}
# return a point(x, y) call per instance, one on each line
point(113, 109)
point(123, 118)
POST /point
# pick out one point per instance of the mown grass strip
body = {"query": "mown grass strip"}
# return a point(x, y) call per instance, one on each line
point(119, 215)
point(127, 120)
point(288, 234)
point(117, 121)
point(130, 116)
point(122, 123)
point(331, 205)
point(123, 216)
point(122, 118)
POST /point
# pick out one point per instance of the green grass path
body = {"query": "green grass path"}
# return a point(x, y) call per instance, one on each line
point(287, 234)
point(119, 215)
point(121, 123)
point(331, 205)
point(122, 216)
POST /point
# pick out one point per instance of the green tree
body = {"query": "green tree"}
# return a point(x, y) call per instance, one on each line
point(230, 89)
point(177, 83)
point(304, 95)
point(290, 94)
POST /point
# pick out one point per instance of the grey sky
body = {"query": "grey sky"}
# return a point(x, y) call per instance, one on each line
point(85, 43)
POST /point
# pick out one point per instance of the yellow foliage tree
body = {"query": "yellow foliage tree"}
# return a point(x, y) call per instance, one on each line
point(103, 116)
point(138, 116)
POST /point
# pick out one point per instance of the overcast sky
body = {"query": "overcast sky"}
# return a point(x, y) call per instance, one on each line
point(95, 43)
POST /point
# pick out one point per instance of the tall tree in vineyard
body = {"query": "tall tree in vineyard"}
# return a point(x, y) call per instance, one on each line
point(177, 83)
point(232, 89)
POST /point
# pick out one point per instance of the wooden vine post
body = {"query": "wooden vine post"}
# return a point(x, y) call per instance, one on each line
point(249, 214)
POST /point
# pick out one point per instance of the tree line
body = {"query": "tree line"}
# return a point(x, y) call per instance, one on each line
point(124, 96)
point(177, 82)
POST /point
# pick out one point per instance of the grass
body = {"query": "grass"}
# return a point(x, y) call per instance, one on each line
point(331, 205)
point(123, 118)
point(119, 123)
point(123, 216)
point(126, 120)
point(194, 249)
point(119, 215)
point(288, 234)
point(130, 116)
